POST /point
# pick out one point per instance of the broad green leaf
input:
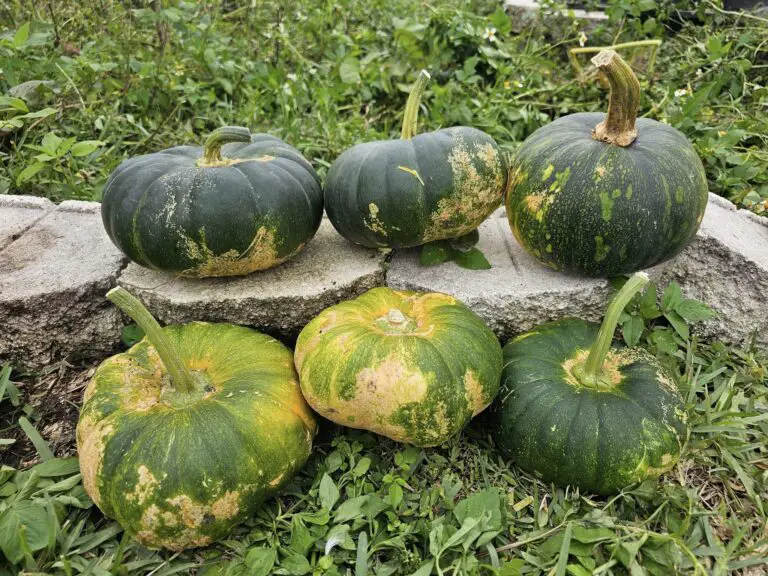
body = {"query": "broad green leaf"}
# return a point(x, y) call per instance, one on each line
point(295, 564)
point(85, 147)
point(694, 311)
point(131, 334)
point(23, 523)
point(29, 172)
point(338, 536)
point(12, 103)
point(632, 329)
point(672, 297)
point(350, 70)
point(351, 509)
point(395, 495)
point(648, 306)
point(51, 143)
point(301, 538)
point(677, 323)
point(664, 341)
point(39, 113)
point(591, 535)
point(435, 253)
point(361, 467)
point(329, 493)
point(57, 467)
point(465, 242)
point(424, 570)
point(21, 36)
point(480, 503)
point(472, 259)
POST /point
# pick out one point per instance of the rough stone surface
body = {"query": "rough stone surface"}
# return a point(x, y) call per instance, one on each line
point(19, 213)
point(52, 285)
point(725, 266)
point(279, 301)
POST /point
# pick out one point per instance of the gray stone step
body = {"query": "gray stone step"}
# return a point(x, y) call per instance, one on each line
point(18, 214)
point(52, 284)
point(279, 301)
point(725, 266)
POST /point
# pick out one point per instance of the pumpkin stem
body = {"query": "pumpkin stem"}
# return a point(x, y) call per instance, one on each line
point(411, 115)
point(181, 377)
point(593, 367)
point(623, 103)
point(221, 136)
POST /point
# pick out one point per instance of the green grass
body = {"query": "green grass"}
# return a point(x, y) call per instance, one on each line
point(110, 81)
point(365, 505)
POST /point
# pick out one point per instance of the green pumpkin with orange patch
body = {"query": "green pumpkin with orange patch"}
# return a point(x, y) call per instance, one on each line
point(576, 411)
point(605, 194)
point(418, 189)
point(415, 367)
point(184, 435)
point(242, 202)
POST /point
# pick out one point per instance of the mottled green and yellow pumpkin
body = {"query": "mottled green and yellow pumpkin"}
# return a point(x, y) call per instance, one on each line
point(408, 192)
point(184, 435)
point(242, 202)
point(413, 366)
point(604, 194)
point(578, 412)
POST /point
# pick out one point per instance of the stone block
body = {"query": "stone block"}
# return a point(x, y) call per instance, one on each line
point(19, 213)
point(279, 301)
point(53, 279)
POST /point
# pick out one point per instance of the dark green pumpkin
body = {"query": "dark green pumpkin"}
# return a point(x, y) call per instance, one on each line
point(407, 192)
point(241, 203)
point(599, 195)
point(413, 366)
point(622, 424)
point(184, 435)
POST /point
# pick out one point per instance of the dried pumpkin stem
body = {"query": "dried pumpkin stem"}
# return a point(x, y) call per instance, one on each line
point(221, 136)
point(593, 367)
point(411, 115)
point(181, 378)
point(623, 103)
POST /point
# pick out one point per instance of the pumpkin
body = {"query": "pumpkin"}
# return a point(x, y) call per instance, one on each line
point(412, 366)
point(242, 202)
point(184, 435)
point(604, 194)
point(421, 188)
point(578, 412)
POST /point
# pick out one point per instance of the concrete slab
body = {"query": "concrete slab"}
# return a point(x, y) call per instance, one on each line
point(52, 284)
point(279, 301)
point(18, 214)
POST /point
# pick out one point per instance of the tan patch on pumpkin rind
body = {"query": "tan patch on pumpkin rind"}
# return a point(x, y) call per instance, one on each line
point(611, 367)
point(91, 443)
point(473, 392)
point(227, 506)
point(260, 255)
point(192, 513)
point(473, 198)
point(373, 222)
point(379, 392)
point(146, 484)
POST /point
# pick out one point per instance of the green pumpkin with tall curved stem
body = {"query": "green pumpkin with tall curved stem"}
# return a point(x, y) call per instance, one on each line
point(243, 202)
point(420, 188)
point(604, 194)
point(576, 411)
point(184, 435)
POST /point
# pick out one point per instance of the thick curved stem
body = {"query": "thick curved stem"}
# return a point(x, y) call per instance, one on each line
point(221, 136)
point(623, 103)
point(411, 115)
point(181, 378)
point(593, 367)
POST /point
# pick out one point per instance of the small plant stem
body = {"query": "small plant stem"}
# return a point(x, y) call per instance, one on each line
point(593, 367)
point(181, 377)
point(411, 115)
point(623, 103)
point(221, 136)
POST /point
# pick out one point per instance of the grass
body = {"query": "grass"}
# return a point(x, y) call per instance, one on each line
point(87, 85)
point(365, 505)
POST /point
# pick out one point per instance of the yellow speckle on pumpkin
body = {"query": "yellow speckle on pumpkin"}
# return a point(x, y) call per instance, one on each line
point(412, 172)
point(373, 222)
point(91, 441)
point(473, 392)
point(146, 484)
